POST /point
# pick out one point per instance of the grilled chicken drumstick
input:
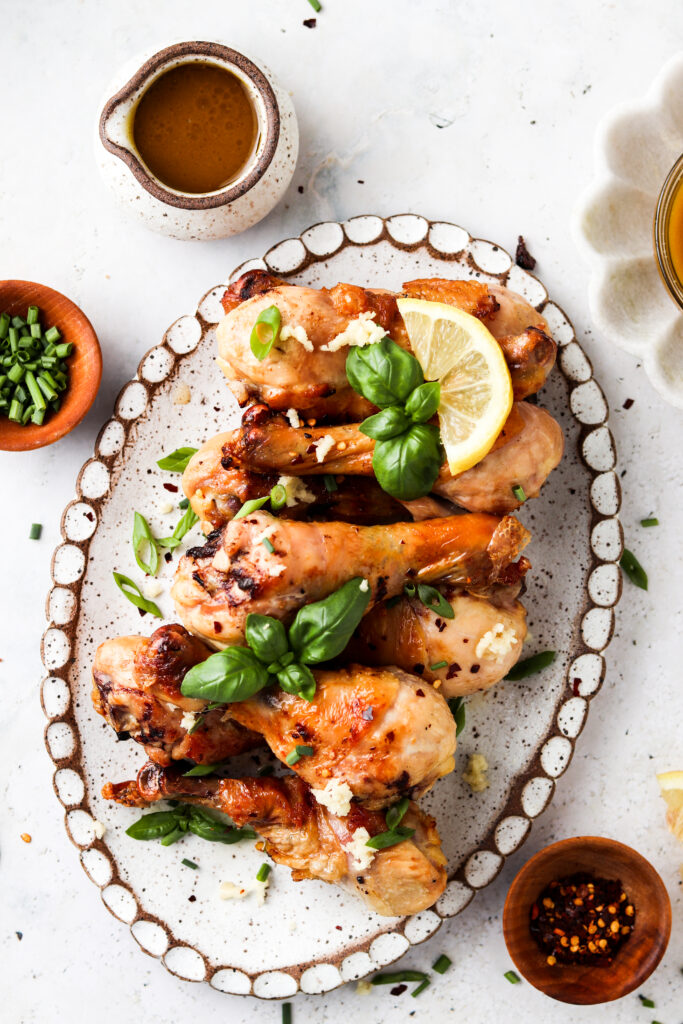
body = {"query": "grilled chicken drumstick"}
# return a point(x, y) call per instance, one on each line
point(216, 586)
point(245, 463)
point(308, 838)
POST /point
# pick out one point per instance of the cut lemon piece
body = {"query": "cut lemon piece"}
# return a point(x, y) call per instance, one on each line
point(671, 786)
point(476, 391)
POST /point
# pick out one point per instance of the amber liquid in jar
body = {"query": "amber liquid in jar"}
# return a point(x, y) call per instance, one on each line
point(196, 128)
point(674, 232)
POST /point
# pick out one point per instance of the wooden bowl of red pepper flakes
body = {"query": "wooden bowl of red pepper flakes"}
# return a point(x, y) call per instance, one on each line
point(587, 920)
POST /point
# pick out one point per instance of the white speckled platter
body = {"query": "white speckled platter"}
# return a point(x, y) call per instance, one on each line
point(636, 147)
point(310, 935)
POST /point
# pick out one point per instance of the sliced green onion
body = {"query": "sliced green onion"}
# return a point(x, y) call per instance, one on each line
point(38, 416)
point(36, 331)
point(193, 728)
point(286, 1013)
point(184, 503)
point(646, 1002)
point(519, 494)
point(396, 813)
point(437, 665)
point(32, 314)
point(45, 386)
point(199, 770)
point(15, 373)
point(251, 506)
point(132, 592)
point(397, 977)
point(52, 335)
point(4, 325)
point(263, 873)
point(64, 350)
point(512, 977)
point(649, 522)
point(330, 482)
point(442, 964)
point(315, 4)
point(633, 569)
point(177, 461)
point(17, 322)
point(189, 863)
point(420, 988)
point(15, 410)
point(35, 531)
point(531, 665)
point(392, 837)
point(186, 523)
point(267, 545)
point(278, 497)
point(265, 332)
point(300, 750)
point(144, 538)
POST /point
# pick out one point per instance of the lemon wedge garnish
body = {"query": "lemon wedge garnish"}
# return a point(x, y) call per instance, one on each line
point(671, 786)
point(476, 391)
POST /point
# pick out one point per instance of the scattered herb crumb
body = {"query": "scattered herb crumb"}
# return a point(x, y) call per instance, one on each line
point(35, 531)
point(647, 1002)
point(652, 521)
point(512, 977)
point(523, 257)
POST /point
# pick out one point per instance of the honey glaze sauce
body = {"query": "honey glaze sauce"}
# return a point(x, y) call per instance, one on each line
point(674, 232)
point(195, 127)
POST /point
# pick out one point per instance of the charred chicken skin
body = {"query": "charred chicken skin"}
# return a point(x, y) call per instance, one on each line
point(216, 586)
point(306, 837)
point(308, 373)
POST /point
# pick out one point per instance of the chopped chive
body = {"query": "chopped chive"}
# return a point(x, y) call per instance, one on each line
point(64, 350)
point(647, 1002)
point(4, 325)
point(278, 497)
point(17, 322)
point(45, 386)
point(38, 400)
point(531, 665)
point(189, 863)
point(330, 482)
point(292, 757)
point(649, 522)
point(15, 410)
point(420, 988)
point(442, 964)
point(38, 417)
point(35, 531)
point(512, 977)
point(315, 4)
point(15, 373)
point(633, 569)
point(36, 331)
point(250, 506)
point(300, 750)
point(396, 977)
point(28, 412)
point(199, 770)
point(268, 545)
point(32, 314)
point(437, 665)
point(184, 503)
point(519, 494)
point(391, 837)
point(286, 1013)
point(263, 873)
point(52, 335)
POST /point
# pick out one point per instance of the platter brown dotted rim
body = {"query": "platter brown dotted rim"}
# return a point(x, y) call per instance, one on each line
point(531, 791)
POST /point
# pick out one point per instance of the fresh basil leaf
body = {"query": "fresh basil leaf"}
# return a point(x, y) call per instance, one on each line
point(131, 590)
point(322, 630)
point(144, 538)
point(265, 332)
point(529, 666)
point(266, 636)
point(153, 826)
point(385, 424)
point(633, 569)
point(219, 832)
point(177, 461)
point(184, 526)
point(456, 706)
point(395, 814)
point(199, 770)
point(434, 600)
point(423, 402)
point(384, 373)
point(230, 675)
point(173, 837)
point(390, 838)
point(407, 466)
point(297, 679)
point(253, 505)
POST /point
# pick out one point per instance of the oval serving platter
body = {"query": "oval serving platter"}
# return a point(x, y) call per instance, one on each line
point(319, 937)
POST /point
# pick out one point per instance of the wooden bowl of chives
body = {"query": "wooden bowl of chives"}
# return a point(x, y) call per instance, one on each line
point(85, 363)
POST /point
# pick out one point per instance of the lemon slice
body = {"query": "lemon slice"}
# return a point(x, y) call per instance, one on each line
point(671, 786)
point(476, 391)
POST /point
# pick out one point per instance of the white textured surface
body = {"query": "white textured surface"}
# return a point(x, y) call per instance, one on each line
point(486, 72)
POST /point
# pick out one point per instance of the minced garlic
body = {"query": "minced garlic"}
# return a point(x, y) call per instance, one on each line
point(323, 446)
point(165, 507)
point(293, 417)
point(99, 828)
point(361, 854)
point(364, 586)
point(230, 891)
point(296, 490)
point(496, 642)
point(360, 332)
point(153, 588)
point(188, 720)
point(336, 796)
point(181, 394)
point(475, 773)
point(297, 333)
point(364, 987)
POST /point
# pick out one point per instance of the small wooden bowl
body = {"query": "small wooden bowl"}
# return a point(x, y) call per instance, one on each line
point(85, 363)
point(635, 960)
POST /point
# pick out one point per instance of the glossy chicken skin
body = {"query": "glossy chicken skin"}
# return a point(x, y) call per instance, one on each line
point(479, 645)
point(312, 379)
point(218, 585)
point(382, 731)
point(234, 466)
point(136, 688)
point(308, 838)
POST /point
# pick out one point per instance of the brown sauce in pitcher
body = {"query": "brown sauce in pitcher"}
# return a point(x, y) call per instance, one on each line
point(195, 127)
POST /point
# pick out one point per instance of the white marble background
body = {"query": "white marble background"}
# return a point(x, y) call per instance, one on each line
point(519, 89)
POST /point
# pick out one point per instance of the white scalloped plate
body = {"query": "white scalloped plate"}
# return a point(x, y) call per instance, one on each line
point(310, 935)
point(636, 147)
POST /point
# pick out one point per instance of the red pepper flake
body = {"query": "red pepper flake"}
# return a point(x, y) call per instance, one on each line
point(168, 556)
point(418, 668)
point(628, 403)
point(217, 627)
point(310, 22)
point(474, 669)
point(575, 686)
point(171, 487)
point(398, 990)
point(452, 670)
point(523, 257)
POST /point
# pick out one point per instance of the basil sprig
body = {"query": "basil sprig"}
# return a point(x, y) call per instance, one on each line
point(431, 598)
point(170, 826)
point(396, 832)
point(320, 632)
point(177, 461)
point(408, 452)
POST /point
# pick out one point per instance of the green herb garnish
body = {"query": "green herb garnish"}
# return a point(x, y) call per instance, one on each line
point(633, 569)
point(189, 863)
point(199, 770)
point(278, 497)
point(33, 370)
point(131, 590)
point(442, 964)
point(144, 545)
point(35, 531)
point(263, 872)
point(431, 598)
point(187, 521)
point(265, 332)
point(420, 988)
point(287, 1007)
point(315, 4)
point(456, 706)
point(330, 482)
point(169, 826)
point(396, 833)
point(397, 977)
point(253, 505)
point(646, 1002)
point(652, 521)
point(512, 977)
point(519, 494)
point(177, 461)
point(301, 750)
point(408, 452)
point(268, 545)
point(437, 665)
point(319, 632)
point(531, 665)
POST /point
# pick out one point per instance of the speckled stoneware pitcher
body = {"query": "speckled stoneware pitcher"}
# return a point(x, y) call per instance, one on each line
point(239, 205)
